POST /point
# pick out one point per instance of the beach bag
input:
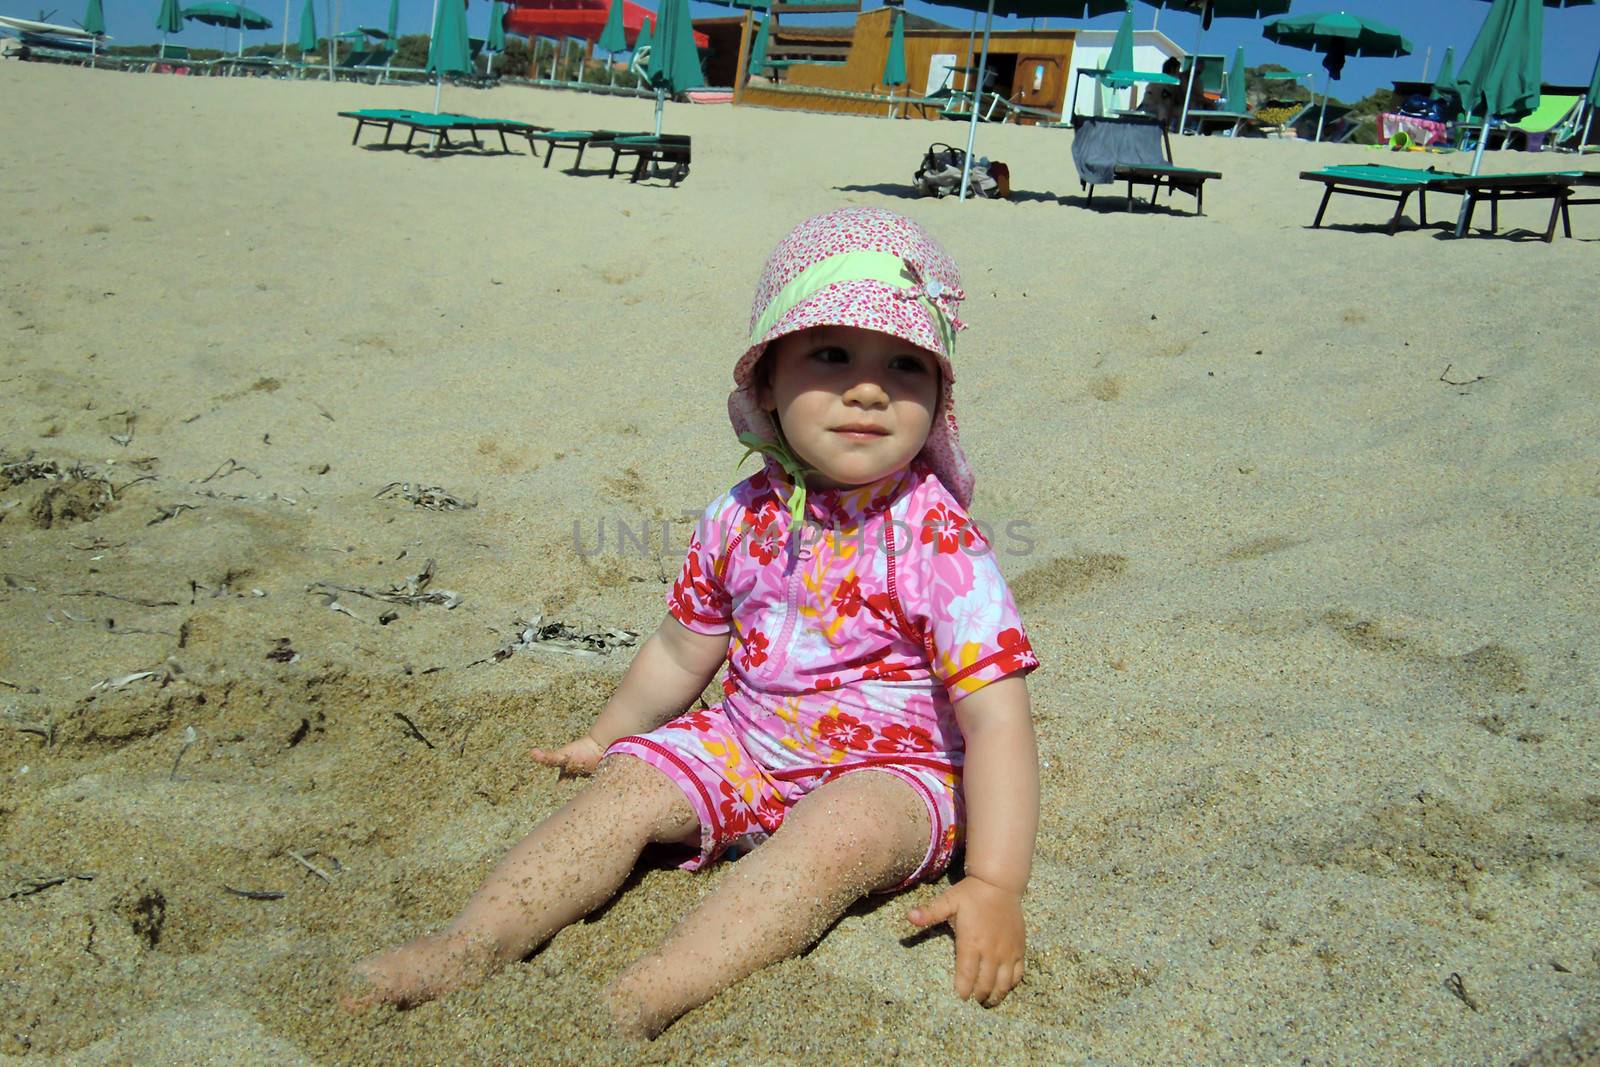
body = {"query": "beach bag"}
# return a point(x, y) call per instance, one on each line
point(940, 173)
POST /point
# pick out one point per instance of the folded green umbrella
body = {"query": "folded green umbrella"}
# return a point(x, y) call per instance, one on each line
point(308, 28)
point(1235, 98)
point(894, 65)
point(758, 50)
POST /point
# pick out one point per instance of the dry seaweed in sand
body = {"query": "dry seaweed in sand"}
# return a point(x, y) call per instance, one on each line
point(432, 497)
point(535, 633)
point(413, 591)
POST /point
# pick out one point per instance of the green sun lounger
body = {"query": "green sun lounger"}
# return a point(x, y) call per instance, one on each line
point(577, 140)
point(650, 155)
point(441, 126)
point(1379, 182)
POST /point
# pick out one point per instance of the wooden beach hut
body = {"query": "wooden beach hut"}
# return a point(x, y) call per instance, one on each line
point(840, 68)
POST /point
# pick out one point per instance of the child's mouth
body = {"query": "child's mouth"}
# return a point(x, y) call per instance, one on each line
point(861, 433)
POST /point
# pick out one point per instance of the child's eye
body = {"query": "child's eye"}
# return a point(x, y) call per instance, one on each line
point(910, 364)
point(831, 354)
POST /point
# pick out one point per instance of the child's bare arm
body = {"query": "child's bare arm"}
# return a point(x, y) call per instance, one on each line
point(672, 668)
point(1001, 783)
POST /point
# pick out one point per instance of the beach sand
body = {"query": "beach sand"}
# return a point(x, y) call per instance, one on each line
point(1303, 524)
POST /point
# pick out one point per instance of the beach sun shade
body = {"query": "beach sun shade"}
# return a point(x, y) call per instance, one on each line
point(496, 41)
point(1035, 9)
point(1118, 72)
point(228, 16)
point(308, 28)
point(447, 47)
point(613, 38)
point(1502, 71)
point(674, 61)
point(1337, 36)
point(94, 21)
point(583, 19)
point(1213, 9)
point(1235, 100)
point(1445, 83)
point(168, 20)
point(394, 19)
point(894, 64)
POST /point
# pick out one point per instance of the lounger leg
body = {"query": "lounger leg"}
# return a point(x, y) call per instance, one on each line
point(1555, 210)
point(1422, 205)
point(1327, 194)
point(616, 156)
point(1566, 216)
point(1200, 199)
point(1130, 195)
point(549, 153)
point(503, 146)
point(357, 137)
point(1399, 209)
point(1494, 212)
point(411, 138)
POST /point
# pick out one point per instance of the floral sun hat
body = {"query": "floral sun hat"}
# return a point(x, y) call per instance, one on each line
point(872, 269)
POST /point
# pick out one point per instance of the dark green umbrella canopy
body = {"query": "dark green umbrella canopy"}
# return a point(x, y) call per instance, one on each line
point(1235, 100)
point(1121, 55)
point(497, 28)
point(1501, 74)
point(1337, 36)
point(228, 14)
point(1445, 83)
point(94, 19)
point(643, 40)
point(1040, 9)
point(894, 65)
point(170, 18)
point(613, 38)
point(674, 60)
point(1227, 9)
point(308, 28)
point(394, 19)
point(1594, 87)
point(448, 48)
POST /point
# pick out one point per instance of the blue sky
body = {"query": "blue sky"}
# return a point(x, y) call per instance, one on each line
point(1571, 36)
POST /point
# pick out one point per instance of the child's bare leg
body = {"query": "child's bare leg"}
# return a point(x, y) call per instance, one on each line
point(859, 833)
point(569, 865)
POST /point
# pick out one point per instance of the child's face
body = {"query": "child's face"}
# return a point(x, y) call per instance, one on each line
point(855, 405)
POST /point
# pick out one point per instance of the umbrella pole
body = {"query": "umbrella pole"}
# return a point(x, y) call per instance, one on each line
point(1194, 65)
point(330, 39)
point(1483, 140)
point(1327, 80)
point(285, 53)
point(972, 124)
point(661, 102)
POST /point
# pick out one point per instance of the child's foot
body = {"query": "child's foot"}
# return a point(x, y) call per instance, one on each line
point(419, 971)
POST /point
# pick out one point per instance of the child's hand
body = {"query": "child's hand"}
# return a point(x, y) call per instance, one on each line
point(987, 921)
point(579, 757)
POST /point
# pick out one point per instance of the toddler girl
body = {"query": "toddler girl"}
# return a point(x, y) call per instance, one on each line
point(874, 712)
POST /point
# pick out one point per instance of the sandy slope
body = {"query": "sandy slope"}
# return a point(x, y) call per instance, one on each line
point(1319, 698)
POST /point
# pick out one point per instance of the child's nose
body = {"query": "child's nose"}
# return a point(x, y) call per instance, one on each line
point(866, 391)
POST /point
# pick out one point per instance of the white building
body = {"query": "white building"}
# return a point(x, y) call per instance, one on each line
point(1085, 96)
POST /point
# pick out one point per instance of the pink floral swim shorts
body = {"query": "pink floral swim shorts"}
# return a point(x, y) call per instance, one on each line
point(741, 800)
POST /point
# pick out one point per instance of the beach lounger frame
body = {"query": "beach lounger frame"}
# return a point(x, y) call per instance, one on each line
point(1555, 186)
point(650, 153)
point(1375, 182)
point(441, 125)
point(1379, 182)
point(577, 141)
point(1183, 179)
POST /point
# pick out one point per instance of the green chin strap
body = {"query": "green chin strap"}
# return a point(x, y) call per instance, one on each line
point(779, 451)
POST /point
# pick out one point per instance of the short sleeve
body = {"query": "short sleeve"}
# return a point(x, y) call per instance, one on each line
point(959, 599)
point(699, 598)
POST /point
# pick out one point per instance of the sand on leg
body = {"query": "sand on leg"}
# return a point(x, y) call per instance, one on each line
point(862, 832)
point(570, 864)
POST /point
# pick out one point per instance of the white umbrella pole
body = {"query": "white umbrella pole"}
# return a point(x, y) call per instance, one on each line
point(661, 102)
point(1327, 80)
point(241, 35)
point(1194, 66)
point(285, 53)
point(972, 124)
point(438, 88)
point(330, 40)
